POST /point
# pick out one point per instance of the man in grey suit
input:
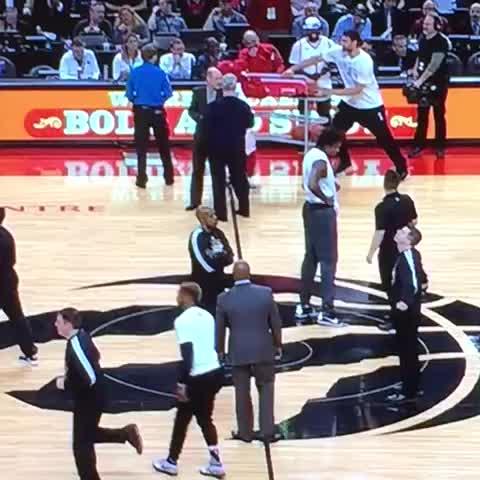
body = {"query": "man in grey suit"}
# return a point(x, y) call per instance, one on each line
point(250, 313)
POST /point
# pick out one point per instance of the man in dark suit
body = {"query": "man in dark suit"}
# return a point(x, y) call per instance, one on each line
point(201, 98)
point(227, 120)
point(473, 25)
point(388, 20)
point(250, 313)
point(408, 282)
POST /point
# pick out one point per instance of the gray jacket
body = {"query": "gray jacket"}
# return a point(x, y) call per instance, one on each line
point(250, 313)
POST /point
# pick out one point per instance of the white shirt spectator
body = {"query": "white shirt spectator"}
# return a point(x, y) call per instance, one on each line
point(178, 70)
point(195, 325)
point(303, 49)
point(121, 67)
point(356, 71)
point(71, 69)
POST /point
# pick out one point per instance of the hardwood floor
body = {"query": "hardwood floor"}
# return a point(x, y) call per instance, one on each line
point(128, 234)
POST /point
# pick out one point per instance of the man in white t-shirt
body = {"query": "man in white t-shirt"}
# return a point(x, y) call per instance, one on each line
point(200, 379)
point(311, 45)
point(320, 225)
point(178, 64)
point(362, 100)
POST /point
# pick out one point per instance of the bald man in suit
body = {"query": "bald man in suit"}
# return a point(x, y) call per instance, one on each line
point(251, 315)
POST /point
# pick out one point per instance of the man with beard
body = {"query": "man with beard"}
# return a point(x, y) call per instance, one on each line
point(362, 98)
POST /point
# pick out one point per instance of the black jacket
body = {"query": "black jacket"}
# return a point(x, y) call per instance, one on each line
point(83, 375)
point(407, 283)
point(198, 110)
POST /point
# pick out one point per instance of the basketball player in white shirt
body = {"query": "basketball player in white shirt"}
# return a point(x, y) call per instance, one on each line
point(320, 225)
point(311, 45)
point(362, 100)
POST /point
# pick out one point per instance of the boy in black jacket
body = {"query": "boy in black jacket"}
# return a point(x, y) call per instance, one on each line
point(84, 380)
point(408, 282)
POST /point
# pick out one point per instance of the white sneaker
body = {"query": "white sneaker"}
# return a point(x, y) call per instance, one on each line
point(164, 466)
point(215, 470)
point(31, 361)
point(329, 319)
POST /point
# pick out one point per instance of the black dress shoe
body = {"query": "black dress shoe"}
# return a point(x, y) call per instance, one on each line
point(236, 436)
point(440, 153)
point(141, 182)
point(242, 214)
point(191, 207)
point(415, 152)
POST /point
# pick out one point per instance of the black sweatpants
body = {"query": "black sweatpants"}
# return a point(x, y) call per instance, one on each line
point(235, 162)
point(406, 333)
point(199, 160)
point(156, 118)
point(201, 391)
point(375, 120)
point(386, 262)
point(212, 285)
point(10, 304)
point(86, 432)
point(440, 121)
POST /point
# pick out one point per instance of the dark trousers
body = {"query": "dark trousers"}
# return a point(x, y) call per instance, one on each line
point(440, 122)
point(145, 118)
point(386, 262)
point(320, 227)
point(375, 120)
point(212, 285)
point(201, 392)
point(199, 160)
point(10, 304)
point(86, 433)
point(406, 333)
point(264, 375)
point(235, 162)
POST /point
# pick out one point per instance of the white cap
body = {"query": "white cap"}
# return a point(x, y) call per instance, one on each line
point(312, 23)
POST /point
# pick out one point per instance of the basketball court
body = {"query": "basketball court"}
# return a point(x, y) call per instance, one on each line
point(95, 242)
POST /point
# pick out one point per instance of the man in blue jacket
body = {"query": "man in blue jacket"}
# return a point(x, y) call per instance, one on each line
point(148, 88)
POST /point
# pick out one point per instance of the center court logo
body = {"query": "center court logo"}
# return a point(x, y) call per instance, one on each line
point(352, 404)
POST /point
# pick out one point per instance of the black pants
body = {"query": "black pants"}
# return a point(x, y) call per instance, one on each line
point(386, 262)
point(440, 122)
point(86, 432)
point(212, 285)
point(199, 160)
point(375, 120)
point(320, 228)
point(10, 304)
point(235, 161)
point(406, 333)
point(144, 119)
point(201, 391)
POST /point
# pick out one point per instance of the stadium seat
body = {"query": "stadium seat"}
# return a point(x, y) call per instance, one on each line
point(473, 64)
point(43, 71)
point(7, 68)
point(455, 65)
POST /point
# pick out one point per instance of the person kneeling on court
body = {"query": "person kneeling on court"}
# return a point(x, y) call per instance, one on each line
point(200, 379)
point(84, 380)
point(408, 282)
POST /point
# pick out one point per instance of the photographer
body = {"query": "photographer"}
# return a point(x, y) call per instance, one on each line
point(431, 73)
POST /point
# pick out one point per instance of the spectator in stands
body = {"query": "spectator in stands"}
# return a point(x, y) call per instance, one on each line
point(11, 23)
point(428, 7)
point(177, 64)
point(79, 63)
point(163, 20)
point(357, 21)
point(268, 16)
point(129, 22)
point(51, 16)
point(400, 55)
point(473, 27)
point(298, 6)
point(127, 59)
point(311, 10)
point(259, 57)
point(209, 58)
point(21, 5)
point(196, 12)
point(96, 22)
point(135, 5)
point(388, 21)
point(222, 16)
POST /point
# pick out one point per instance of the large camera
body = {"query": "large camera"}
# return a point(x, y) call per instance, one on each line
point(425, 96)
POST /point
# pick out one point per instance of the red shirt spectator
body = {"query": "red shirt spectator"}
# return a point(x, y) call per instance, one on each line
point(259, 57)
point(269, 15)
